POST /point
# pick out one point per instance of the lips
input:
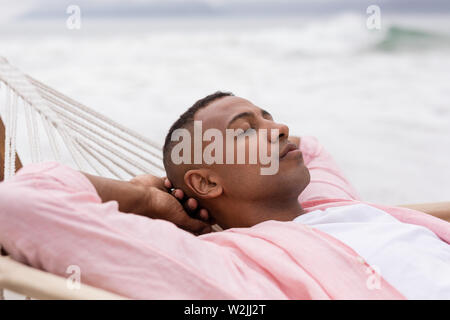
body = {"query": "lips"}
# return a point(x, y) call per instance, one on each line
point(289, 147)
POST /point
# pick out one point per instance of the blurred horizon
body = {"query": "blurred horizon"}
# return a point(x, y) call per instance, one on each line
point(13, 11)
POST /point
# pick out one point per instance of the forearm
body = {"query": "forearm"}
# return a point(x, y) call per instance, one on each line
point(129, 196)
point(438, 209)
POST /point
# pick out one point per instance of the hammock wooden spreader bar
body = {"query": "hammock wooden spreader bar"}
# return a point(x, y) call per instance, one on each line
point(41, 285)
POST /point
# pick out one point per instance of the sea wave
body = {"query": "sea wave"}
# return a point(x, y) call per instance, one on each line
point(398, 38)
point(349, 34)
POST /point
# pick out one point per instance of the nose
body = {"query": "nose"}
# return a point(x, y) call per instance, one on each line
point(283, 132)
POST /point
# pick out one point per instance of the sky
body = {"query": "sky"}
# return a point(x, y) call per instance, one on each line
point(45, 9)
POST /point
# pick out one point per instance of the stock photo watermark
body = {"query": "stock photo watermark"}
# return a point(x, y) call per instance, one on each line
point(373, 21)
point(73, 281)
point(374, 280)
point(73, 22)
point(254, 143)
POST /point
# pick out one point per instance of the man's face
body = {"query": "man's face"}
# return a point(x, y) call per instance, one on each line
point(245, 181)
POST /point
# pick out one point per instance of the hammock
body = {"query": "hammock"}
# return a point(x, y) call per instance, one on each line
point(93, 141)
point(76, 135)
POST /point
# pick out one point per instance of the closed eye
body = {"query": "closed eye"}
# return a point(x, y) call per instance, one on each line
point(266, 115)
point(247, 131)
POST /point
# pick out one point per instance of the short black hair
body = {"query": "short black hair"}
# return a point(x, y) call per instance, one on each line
point(186, 119)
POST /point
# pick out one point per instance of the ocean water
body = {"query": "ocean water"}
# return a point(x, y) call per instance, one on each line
point(378, 100)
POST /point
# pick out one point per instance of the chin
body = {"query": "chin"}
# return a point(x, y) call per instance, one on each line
point(307, 177)
point(295, 179)
point(302, 176)
point(295, 168)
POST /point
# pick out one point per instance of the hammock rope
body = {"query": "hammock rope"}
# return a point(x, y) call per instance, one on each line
point(93, 141)
point(95, 114)
point(89, 137)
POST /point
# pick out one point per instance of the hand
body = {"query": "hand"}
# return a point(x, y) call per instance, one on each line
point(190, 205)
point(160, 204)
point(184, 220)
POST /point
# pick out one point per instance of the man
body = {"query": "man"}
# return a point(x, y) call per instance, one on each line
point(272, 246)
point(238, 196)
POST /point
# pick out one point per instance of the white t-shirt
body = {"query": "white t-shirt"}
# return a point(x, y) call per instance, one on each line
point(409, 257)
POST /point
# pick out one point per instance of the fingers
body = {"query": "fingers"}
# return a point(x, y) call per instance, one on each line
point(167, 183)
point(162, 205)
point(203, 214)
point(195, 226)
point(190, 205)
point(167, 207)
point(192, 208)
point(193, 220)
point(178, 193)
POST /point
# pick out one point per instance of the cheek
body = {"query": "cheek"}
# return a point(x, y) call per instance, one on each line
point(245, 150)
point(239, 178)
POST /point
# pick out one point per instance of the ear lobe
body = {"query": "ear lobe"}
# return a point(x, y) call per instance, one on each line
point(202, 184)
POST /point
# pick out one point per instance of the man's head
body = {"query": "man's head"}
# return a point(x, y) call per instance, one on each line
point(228, 189)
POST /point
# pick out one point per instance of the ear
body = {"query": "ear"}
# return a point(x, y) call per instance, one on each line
point(203, 183)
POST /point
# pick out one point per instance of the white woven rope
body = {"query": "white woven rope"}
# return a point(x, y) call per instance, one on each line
point(116, 152)
point(13, 136)
point(98, 143)
point(128, 170)
point(94, 113)
point(35, 128)
point(30, 132)
point(74, 152)
point(19, 86)
point(10, 134)
point(97, 123)
point(86, 147)
point(51, 137)
point(50, 105)
point(71, 120)
point(81, 152)
point(7, 133)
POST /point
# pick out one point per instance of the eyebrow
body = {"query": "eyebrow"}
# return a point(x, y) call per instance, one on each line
point(247, 114)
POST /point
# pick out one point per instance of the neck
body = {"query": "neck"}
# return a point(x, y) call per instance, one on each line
point(281, 210)
point(254, 212)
